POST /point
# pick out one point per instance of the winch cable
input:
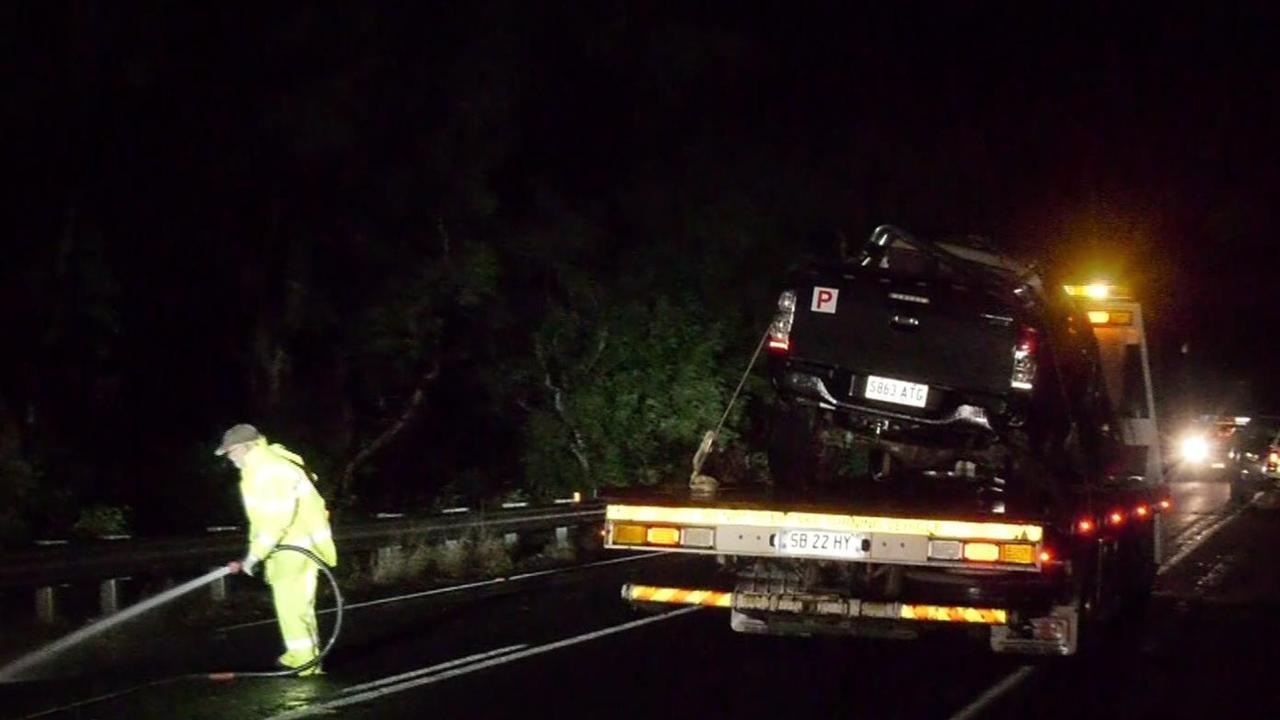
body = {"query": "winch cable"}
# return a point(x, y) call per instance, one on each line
point(696, 478)
point(227, 675)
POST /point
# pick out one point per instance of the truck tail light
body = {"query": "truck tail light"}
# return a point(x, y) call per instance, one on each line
point(981, 552)
point(660, 535)
point(663, 536)
point(1142, 511)
point(1085, 526)
point(1024, 360)
point(1115, 517)
point(780, 329)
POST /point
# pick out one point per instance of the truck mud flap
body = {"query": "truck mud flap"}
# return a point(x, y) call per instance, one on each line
point(1057, 633)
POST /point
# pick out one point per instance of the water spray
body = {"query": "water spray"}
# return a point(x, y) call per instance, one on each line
point(12, 671)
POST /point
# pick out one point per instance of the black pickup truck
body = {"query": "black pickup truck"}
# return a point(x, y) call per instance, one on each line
point(936, 357)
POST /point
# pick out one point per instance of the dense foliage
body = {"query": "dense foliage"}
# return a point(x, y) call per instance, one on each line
point(501, 249)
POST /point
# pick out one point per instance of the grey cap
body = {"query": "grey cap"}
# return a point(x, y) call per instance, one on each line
point(238, 434)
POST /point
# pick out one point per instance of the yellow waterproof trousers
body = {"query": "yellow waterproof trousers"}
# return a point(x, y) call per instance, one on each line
point(292, 577)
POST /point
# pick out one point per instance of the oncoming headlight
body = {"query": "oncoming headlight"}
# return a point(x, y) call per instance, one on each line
point(1195, 449)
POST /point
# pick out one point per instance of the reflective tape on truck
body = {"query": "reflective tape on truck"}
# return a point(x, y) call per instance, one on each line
point(774, 519)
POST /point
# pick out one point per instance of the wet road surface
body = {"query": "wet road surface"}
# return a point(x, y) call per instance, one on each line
point(567, 644)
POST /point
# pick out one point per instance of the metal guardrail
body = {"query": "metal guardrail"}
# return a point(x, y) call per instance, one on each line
point(78, 562)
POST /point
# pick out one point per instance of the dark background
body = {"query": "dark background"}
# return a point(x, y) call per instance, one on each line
point(400, 237)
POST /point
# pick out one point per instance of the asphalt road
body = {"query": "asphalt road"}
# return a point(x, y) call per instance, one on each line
point(567, 645)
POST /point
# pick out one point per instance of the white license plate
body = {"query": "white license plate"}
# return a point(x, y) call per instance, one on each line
point(896, 391)
point(823, 543)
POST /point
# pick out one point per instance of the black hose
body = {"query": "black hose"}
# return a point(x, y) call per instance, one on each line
point(333, 637)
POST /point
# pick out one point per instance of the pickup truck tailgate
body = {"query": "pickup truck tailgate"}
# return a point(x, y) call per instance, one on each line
point(935, 333)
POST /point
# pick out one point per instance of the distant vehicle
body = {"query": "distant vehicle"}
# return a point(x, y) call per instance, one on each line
point(1205, 449)
point(1254, 457)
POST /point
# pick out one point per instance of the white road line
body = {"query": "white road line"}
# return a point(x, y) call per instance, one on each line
point(331, 705)
point(1190, 546)
point(994, 693)
point(1196, 526)
point(428, 670)
point(459, 588)
point(1016, 677)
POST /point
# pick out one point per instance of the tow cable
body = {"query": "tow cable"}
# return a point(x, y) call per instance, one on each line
point(705, 484)
point(10, 671)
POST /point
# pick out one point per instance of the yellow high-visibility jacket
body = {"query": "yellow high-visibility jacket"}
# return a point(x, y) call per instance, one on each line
point(282, 504)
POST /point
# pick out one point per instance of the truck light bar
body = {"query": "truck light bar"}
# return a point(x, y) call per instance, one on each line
point(677, 596)
point(816, 605)
point(712, 517)
point(1098, 291)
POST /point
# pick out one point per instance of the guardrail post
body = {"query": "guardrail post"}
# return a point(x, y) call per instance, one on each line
point(562, 537)
point(387, 558)
point(46, 605)
point(109, 596)
point(218, 589)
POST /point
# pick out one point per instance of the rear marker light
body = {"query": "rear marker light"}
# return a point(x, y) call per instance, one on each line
point(1116, 517)
point(1046, 556)
point(1084, 527)
point(1165, 504)
point(1141, 511)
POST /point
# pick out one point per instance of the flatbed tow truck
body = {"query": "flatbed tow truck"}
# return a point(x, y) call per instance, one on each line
point(876, 564)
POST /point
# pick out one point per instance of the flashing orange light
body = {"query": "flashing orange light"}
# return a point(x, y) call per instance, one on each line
point(1085, 526)
point(1115, 517)
point(1099, 317)
point(981, 552)
point(1097, 291)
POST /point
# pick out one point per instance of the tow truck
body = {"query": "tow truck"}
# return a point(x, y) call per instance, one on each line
point(881, 563)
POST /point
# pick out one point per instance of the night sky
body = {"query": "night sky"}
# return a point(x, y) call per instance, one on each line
point(173, 166)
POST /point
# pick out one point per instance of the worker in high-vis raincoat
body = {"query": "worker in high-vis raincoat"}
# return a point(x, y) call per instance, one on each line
point(283, 508)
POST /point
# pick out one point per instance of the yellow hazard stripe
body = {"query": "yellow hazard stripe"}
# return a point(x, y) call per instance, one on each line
point(710, 517)
point(946, 613)
point(677, 596)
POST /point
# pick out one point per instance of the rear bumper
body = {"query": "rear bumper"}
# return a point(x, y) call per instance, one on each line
point(834, 389)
